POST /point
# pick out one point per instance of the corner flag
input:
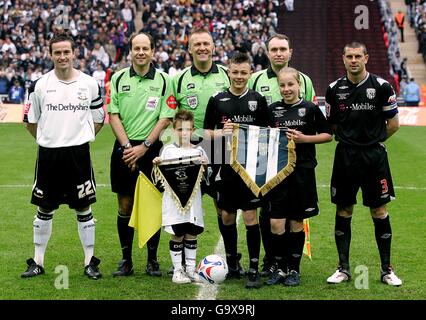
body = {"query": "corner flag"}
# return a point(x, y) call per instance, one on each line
point(146, 213)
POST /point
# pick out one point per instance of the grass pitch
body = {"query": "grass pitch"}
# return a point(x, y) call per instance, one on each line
point(407, 154)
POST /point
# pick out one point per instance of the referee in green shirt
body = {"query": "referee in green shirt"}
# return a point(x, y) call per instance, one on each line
point(194, 85)
point(193, 88)
point(142, 104)
point(265, 82)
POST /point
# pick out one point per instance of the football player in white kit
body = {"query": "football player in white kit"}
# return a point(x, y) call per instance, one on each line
point(63, 113)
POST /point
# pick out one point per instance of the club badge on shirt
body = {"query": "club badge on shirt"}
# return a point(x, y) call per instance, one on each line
point(371, 93)
point(192, 101)
point(252, 105)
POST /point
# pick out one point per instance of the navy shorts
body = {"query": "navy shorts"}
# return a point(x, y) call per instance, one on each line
point(366, 168)
point(295, 198)
point(64, 176)
point(123, 180)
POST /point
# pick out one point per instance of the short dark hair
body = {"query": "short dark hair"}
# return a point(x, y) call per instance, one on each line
point(278, 36)
point(199, 31)
point(240, 57)
point(151, 39)
point(183, 115)
point(355, 44)
point(60, 37)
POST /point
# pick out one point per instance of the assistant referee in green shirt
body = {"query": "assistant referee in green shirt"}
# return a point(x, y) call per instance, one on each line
point(142, 104)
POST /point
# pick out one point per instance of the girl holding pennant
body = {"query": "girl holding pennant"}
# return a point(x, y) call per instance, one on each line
point(180, 168)
point(295, 198)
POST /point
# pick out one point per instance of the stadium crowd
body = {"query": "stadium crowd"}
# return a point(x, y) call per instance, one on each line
point(417, 19)
point(102, 28)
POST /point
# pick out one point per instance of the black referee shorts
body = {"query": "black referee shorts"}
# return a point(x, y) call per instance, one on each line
point(64, 176)
point(361, 167)
point(123, 180)
point(295, 198)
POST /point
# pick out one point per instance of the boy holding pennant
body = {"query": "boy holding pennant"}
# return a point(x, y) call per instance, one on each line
point(240, 105)
point(295, 198)
point(180, 170)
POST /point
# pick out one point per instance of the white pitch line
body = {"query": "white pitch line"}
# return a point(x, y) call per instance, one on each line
point(209, 291)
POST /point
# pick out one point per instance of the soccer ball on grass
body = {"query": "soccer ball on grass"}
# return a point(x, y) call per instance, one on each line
point(212, 269)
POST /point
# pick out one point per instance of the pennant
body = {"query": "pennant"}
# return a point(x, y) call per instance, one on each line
point(263, 157)
point(180, 177)
point(146, 213)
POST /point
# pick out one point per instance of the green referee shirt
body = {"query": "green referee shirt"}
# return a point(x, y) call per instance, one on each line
point(141, 101)
point(266, 83)
point(193, 89)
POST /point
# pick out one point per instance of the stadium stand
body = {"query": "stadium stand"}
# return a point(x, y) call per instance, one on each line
point(318, 30)
point(318, 38)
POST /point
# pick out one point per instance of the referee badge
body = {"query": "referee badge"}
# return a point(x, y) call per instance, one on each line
point(192, 101)
point(152, 103)
point(252, 105)
point(371, 93)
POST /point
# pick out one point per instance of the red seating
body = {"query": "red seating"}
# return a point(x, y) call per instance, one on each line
point(318, 31)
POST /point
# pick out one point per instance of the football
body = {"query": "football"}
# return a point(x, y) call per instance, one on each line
point(212, 269)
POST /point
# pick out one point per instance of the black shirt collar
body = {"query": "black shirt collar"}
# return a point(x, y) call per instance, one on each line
point(195, 71)
point(149, 75)
point(270, 73)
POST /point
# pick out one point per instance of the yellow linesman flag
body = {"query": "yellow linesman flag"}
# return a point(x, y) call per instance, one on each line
point(146, 213)
point(307, 247)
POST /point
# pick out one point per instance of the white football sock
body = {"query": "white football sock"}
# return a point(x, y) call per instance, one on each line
point(86, 232)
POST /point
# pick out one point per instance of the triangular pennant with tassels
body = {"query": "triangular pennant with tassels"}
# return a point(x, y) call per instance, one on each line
point(262, 157)
point(181, 177)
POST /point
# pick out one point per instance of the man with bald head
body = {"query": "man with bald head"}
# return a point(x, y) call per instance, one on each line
point(142, 104)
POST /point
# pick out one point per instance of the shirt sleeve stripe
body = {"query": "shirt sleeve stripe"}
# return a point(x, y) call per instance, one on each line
point(390, 107)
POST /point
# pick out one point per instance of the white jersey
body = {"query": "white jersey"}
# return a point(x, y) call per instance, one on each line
point(171, 214)
point(62, 110)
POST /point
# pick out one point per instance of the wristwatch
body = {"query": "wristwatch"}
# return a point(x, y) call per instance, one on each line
point(126, 146)
point(147, 143)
